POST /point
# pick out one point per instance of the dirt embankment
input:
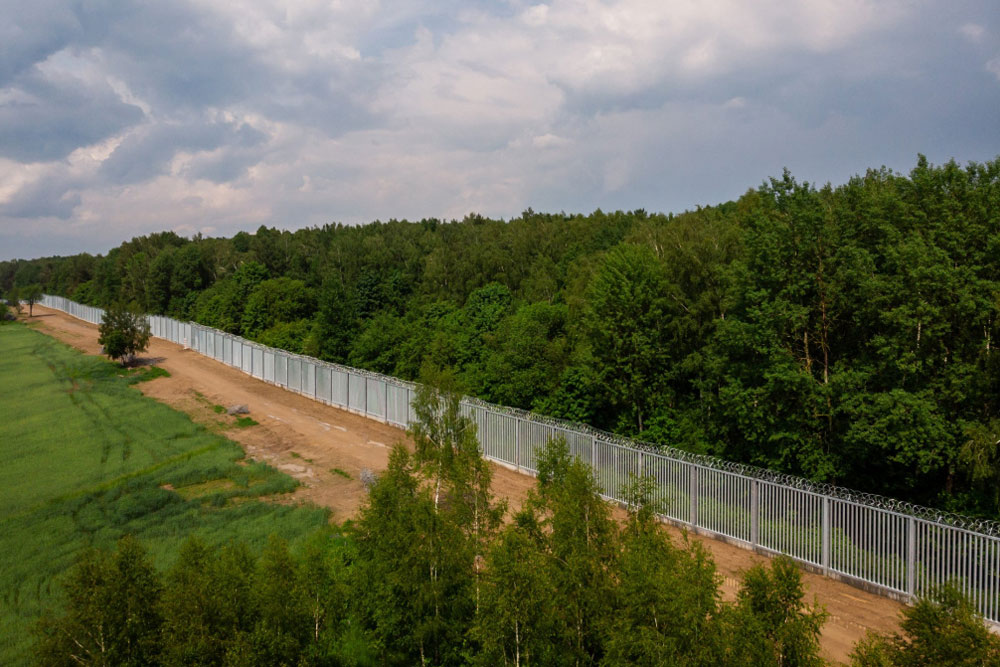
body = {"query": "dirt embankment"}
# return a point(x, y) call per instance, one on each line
point(326, 449)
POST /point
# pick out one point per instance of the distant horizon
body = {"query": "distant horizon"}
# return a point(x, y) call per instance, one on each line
point(508, 218)
point(215, 117)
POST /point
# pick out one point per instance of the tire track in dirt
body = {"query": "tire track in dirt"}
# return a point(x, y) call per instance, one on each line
point(326, 449)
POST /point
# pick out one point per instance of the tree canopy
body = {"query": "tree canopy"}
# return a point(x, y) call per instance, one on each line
point(844, 333)
point(123, 333)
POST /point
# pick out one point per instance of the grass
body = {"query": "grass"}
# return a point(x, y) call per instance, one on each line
point(243, 422)
point(342, 473)
point(85, 459)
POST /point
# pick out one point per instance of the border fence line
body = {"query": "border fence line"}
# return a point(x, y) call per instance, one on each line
point(880, 544)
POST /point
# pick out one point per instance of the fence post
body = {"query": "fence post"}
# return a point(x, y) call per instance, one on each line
point(593, 456)
point(825, 537)
point(754, 512)
point(517, 443)
point(694, 495)
point(385, 384)
point(911, 557)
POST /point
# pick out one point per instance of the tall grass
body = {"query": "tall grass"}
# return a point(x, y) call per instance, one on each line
point(85, 459)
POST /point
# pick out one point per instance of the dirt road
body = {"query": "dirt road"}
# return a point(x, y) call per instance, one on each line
point(326, 449)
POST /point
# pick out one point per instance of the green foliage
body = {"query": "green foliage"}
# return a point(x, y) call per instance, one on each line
point(773, 624)
point(418, 580)
point(112, 614)
point(89, 459)
point(124, 333)
point(276, 301)
point(30, 294)
point(847, 334)
point(628, 310)
point(940, 629)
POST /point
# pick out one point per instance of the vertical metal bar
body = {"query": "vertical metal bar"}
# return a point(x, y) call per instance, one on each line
point(593, 456)
point(754, 511)
point(694, 495)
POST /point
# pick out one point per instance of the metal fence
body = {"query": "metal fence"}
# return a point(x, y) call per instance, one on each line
point(885, 545)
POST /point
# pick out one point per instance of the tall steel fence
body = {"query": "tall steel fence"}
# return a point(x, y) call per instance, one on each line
point(889, 546)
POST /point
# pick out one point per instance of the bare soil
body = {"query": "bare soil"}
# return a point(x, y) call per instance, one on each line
point(326, 449)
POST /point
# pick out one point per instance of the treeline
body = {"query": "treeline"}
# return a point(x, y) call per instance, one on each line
point(845, 333)
point(431, 575)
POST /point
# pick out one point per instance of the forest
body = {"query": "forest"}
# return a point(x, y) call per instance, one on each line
point(431, 574)
point(843, 333)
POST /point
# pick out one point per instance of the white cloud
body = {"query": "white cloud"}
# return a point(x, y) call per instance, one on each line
point(236, 113)
point(972, 32)
point(993, 67)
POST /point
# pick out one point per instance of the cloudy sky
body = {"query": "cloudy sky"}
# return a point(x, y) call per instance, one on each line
point(119, 118)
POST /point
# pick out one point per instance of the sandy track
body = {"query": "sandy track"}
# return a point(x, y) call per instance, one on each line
point(309, 441)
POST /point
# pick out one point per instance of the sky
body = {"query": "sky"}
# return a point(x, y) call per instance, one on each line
point(119, 118)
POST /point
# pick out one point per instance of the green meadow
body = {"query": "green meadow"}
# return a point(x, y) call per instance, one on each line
point(85, 459)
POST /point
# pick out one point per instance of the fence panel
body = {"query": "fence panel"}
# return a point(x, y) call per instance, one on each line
point(375, 395)
point(357, 393)
point(531, 439)
point(323, 383)
point(268, 365)
point(258, 362)
point(294, 374)
point(281, 368)
point(672, 490)
point(397, 402)
point(724, 503)
point(791, 522)
point(339, 382)
point(498, 435)
point(868, 543)
point(614, 468)
point(246, 356)
point(581, 445)
point(308, 378)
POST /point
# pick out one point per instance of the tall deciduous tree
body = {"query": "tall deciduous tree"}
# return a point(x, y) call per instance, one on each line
point(628, 309)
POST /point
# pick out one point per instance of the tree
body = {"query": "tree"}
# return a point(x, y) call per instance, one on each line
point(31, 294)
point(771, 624)
point(942, 628)
point(581, 543)
point(207, 602)
point(112, 614)
point(14, 300)
point(276, 301)
point(666, 596)
point(123, 333)
point(627, 318)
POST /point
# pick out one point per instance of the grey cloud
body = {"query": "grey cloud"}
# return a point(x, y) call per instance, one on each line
point(146, 153)
point(48, 118)
point(47, 198)
point(31, 31)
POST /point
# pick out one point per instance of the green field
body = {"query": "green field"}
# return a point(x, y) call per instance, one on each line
point(85, 459)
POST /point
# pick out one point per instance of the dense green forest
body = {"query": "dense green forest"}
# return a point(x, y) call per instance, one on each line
point(844, 333)
point(431, 575)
